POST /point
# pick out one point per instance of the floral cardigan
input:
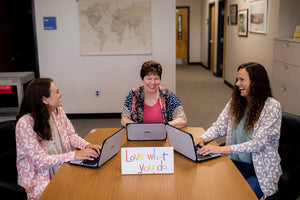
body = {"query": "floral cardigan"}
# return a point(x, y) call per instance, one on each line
point(33, 162)
point(171, 107)
point(263, 146)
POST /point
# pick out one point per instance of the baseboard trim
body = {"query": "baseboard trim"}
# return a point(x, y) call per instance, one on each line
point(181, 62)
point(204, 66)
point(228, 84)
point(195, 63)
point(93, 115)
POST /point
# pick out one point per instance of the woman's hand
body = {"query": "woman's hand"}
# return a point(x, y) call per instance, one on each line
point(178, 123)
point(86, 154)
point(200, 142)
point(125, 121)
point(96, 147)
point(208, 149)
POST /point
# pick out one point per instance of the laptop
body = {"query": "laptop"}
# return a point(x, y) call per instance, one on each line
point(110, 147)
point(146, 131)
point(183, 143)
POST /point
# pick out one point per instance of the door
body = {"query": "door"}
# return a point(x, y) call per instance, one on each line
point(182, 35)
point(6, 38)
point(221, 36)
point(17, 39)
point(211, 31)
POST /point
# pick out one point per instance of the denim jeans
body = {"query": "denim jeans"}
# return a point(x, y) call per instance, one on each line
point(248, 173)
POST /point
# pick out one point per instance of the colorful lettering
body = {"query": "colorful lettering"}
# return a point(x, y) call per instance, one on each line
point(157, 157)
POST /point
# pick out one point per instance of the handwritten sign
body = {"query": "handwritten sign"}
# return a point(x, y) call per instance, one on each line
point(147, 160)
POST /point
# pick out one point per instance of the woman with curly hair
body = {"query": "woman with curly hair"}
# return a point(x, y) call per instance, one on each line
point(45, 136)
point(251, 121)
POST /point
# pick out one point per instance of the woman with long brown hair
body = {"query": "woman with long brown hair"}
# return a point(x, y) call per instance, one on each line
point(45, 137)
point(251, 121)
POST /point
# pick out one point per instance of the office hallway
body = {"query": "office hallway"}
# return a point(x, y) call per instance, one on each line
point(202, 94)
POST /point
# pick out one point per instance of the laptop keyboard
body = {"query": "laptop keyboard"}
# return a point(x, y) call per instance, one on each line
point(201, 157)
point(91, 162)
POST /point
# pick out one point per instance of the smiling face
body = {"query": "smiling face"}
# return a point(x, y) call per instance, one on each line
point(151, 83)
point(243, 82)
point(54, 100)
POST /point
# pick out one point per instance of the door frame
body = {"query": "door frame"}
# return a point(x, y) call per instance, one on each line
point(37, 68)
point(221, 39)
point(209, 67)
point(188, 36)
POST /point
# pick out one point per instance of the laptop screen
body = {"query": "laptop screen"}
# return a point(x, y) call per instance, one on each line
point(182, 142)
point(146, 131)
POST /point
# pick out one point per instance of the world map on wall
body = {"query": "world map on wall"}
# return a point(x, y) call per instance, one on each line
point(110, 27)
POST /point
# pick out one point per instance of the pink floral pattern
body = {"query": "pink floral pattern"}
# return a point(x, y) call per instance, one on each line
point(33, 162)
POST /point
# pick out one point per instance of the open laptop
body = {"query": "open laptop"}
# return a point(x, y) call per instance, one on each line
point(183, 143)
point(110, 147)
point(146, 131)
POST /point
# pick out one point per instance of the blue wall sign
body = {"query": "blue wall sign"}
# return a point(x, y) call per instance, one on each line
point(49, 23)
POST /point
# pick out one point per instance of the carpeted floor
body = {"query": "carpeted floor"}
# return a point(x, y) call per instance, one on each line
point(202, 94)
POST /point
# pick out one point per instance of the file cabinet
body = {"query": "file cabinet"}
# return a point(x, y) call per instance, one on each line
point(286, 74)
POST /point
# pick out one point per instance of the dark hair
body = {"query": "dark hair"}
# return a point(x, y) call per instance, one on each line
point(32, 104)
point(259, 91)
point(151, 67)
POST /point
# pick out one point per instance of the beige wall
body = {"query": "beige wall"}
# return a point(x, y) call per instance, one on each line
point(79, 76)
point(283, 16)
point(254, 48)
point(194, 34)
point(289, 17)
point(238, 50)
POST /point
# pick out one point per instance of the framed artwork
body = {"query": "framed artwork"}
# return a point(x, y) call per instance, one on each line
point(233, 14)
point(243, 22)
point(258, 11)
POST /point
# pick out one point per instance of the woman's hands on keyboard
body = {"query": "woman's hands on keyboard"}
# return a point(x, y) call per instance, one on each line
point(86, 154)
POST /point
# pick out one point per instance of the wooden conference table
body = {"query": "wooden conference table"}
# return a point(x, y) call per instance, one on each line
point(213, 179)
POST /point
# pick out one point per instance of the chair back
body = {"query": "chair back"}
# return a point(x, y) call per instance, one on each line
point(289, 142)
point(8, 168)
point(289, 150)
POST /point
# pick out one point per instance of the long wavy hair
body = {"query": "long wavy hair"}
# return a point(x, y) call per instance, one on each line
point(259, 91)
point(32, 104)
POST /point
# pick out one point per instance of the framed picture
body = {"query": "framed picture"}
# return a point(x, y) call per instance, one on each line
point(258, 11)
point(243, 22)
point(233, 14)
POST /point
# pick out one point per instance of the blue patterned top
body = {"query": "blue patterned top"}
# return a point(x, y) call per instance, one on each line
point(170, 105)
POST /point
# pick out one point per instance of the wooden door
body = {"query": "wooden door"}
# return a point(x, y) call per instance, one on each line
point(211, 37)
point(182, 33)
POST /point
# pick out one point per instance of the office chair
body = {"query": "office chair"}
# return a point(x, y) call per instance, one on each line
point(8, 169)
point(289, 150)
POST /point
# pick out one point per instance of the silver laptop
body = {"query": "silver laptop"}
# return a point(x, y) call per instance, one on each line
point(110, 147)
point(146, 131)
point(183, 143)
